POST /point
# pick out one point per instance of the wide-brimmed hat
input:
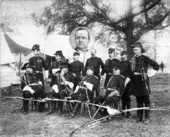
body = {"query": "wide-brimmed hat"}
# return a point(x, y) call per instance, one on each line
point(73, 34)
point(110, 50)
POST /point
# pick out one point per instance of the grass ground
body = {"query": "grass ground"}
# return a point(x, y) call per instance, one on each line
point(35, 124)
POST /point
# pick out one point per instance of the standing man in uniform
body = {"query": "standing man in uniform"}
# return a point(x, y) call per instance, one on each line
point(125, 71)
point(76, 68)
point(109, 64)
point(140, 80)
point(96, 62)
point(38, 63)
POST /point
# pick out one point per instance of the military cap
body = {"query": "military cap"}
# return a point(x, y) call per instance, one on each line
point(59, 53)
point(91, 68)
point(110, 50)
point(36, 47)
point(76, 54)
point(124, 53)
point(139, 45)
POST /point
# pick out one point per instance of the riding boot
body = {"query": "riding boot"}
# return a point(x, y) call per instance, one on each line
point(60, 106)
point(41, 106)
point(140, 116)
point(51, 106)
point(147, 112)
point(128, 113)
point(140, 113)
point(26, 107)
point(123, 108)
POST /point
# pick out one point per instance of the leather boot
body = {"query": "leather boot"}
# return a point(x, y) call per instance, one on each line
point(41, 106)
point(123, 108)
point(26, 107)
point(147, 113)
point(140, 116)
point(51, 107)
point(128, 113)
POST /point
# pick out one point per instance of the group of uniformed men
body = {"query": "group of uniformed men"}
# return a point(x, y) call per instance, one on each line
point(76, 81)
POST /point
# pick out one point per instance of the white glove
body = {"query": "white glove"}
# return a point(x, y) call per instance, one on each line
point(84, 83)
point(46, 74)
point(127, 80)
point(55, 70)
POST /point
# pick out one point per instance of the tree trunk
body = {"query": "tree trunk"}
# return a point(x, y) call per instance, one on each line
point(129, 50)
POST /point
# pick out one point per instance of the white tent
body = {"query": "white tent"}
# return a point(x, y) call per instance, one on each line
point(48, 45)
point(7, 65)
point(6, 56)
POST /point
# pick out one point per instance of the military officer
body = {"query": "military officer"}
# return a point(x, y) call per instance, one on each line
point(38, 63)
point(62, 87)
point(140, 79)
point(113, 91)
point(109, 64)
point(125, 70)
point(76, 68)
point(57, 63)
point(96, 62)
point(85, 90)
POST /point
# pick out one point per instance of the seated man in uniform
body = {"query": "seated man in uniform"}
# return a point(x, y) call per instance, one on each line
point(113, 91)
point(62, 88)
point(85, 89)
point(31, 87)
point(59, 61)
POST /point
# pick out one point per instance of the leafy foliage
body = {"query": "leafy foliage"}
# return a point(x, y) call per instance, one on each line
point(129, 27)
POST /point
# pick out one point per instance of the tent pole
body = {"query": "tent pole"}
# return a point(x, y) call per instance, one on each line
point(19, 65)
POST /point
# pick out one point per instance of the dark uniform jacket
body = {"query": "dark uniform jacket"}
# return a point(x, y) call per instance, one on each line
point(109, 64)
point(38, 63)
point(59, 81)
point(96, 62)
point(140, 80)
point(27, 79)
point(77, 67)
point(116, 83)
point(125, 69)
point(81, 94)
point(56, 64)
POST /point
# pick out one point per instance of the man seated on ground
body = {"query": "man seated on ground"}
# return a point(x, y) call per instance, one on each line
point(63, 87)
point(113, 90)
point(31, 87)
point(84, 92)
